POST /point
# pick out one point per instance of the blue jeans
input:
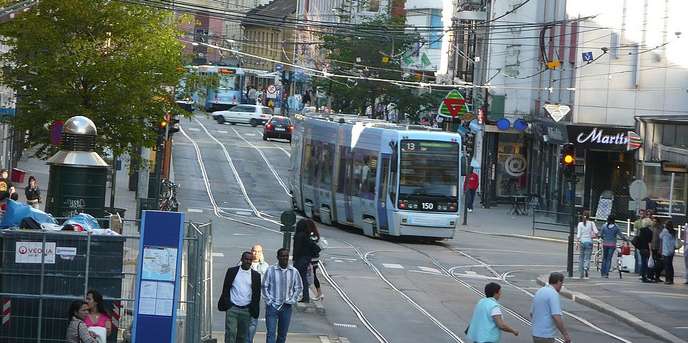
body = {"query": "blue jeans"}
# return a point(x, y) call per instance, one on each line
point(607, 254)
point(251, 330)
point(470, 197)
point(585, 253)
point(277, 323)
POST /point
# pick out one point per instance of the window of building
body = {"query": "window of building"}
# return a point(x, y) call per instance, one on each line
point(511, 166)
point(436, 33)
point(373, 5)
point(666, 191)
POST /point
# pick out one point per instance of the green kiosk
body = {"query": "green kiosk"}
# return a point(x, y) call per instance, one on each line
point(78, 175)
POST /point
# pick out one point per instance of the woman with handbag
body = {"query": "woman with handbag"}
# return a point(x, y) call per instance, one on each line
point(304, 251)
point(668, 245)
point(586, 232)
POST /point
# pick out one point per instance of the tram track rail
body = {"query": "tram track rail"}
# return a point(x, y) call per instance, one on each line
point(503, 278)
point(365, 256)
point(370, 327)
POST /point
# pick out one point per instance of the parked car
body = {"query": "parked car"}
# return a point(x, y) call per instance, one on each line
point(278, 127)
point(244, 114)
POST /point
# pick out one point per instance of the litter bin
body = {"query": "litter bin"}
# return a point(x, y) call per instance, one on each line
point(78, 175)
point(63, 278)
point(17, 175)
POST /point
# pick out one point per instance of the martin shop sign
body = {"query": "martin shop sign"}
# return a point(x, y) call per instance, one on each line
point(604, 138)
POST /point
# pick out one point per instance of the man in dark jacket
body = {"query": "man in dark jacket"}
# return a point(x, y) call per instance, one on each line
point(644, 240)
point(240, 298)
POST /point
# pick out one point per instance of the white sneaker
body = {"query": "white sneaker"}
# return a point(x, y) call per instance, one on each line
point(469, 210)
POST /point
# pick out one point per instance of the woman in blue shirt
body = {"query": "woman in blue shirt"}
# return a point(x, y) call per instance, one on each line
point(610, 232)
point(487, 323)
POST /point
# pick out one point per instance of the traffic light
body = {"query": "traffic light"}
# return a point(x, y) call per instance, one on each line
point(568, 159)
point(469, 144)
point(174, 125)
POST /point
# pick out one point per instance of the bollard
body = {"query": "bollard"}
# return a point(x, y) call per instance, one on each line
point(288, 219)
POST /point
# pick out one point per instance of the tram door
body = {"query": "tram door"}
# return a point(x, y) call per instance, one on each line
point(382, 194)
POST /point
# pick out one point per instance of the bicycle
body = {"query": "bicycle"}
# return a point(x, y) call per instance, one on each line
point(615, 266)
point(168, 196)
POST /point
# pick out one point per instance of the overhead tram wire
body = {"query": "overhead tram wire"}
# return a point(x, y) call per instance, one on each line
point(238, 16)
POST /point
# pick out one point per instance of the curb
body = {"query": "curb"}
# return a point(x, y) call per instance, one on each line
point(513, 235)
point(624, 316)
point(311, 307)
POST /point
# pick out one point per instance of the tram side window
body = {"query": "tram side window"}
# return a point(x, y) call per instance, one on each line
point(307, 164)
point(325, 166)
point(393, 176)
point(344, 169)
point(365, 170)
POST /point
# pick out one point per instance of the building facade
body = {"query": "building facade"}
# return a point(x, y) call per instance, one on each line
point(620, 71)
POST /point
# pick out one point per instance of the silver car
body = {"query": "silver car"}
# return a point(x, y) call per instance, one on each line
point(253, 115)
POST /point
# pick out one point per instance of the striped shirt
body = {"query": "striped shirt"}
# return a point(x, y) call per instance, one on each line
point(282, 286)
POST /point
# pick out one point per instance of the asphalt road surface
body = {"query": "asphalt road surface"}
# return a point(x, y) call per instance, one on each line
point(378, 290)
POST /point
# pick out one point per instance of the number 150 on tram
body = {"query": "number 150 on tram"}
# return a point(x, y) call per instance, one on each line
point(385, 179)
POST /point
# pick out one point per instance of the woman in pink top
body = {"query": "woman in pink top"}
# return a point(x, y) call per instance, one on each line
point(97, 316)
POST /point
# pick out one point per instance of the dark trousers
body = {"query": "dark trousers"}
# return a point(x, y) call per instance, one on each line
point(470, 196)
point(659, 264)
point(302, 266)
point(669, 268)
point(644, 271)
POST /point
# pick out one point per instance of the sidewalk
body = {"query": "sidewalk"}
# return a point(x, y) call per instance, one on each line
point(657, 310)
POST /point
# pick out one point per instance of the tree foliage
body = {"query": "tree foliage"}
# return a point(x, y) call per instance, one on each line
point(369, 53)
point(113, 62)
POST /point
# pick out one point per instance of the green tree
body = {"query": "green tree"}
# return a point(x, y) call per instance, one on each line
point(374, 49)
point(113, 62)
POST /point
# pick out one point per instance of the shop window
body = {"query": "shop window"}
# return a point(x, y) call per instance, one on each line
point(511, 166)
point(666, 191)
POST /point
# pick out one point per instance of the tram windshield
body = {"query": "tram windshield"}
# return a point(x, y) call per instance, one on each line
point(429, 168)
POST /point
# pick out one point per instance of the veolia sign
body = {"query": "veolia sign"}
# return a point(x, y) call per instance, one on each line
point(603, 138)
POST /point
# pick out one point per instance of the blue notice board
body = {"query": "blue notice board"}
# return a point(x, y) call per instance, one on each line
point(157, 277)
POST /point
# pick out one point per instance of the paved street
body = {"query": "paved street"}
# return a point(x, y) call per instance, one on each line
point(380, 290)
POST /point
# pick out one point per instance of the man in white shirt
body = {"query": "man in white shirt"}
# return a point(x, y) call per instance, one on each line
point(545, 312)
point(282, 288)
point(240, 298)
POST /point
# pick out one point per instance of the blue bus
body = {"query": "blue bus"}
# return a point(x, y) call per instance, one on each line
point(229, 91)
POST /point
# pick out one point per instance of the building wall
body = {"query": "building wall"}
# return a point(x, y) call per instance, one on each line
point(275, 43)
point(420, 13)
point(646, 68)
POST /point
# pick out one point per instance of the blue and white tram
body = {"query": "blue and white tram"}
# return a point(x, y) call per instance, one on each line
point(383, 178)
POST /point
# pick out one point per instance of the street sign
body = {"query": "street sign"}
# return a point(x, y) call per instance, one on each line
point(637, 190)
point(279, 67)
point(453, 105)
point(587, 56)
point(556, 111)
point(272, 92)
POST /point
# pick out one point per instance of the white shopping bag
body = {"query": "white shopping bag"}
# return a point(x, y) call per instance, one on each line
point(628, 263)
point(101, 333)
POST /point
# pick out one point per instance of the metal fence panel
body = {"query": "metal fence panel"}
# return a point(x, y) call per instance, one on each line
point(36, 289)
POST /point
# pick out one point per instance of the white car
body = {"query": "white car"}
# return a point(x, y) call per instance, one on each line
point(244, 114)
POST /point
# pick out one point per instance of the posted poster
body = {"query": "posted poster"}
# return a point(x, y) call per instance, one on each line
point(159, 263)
